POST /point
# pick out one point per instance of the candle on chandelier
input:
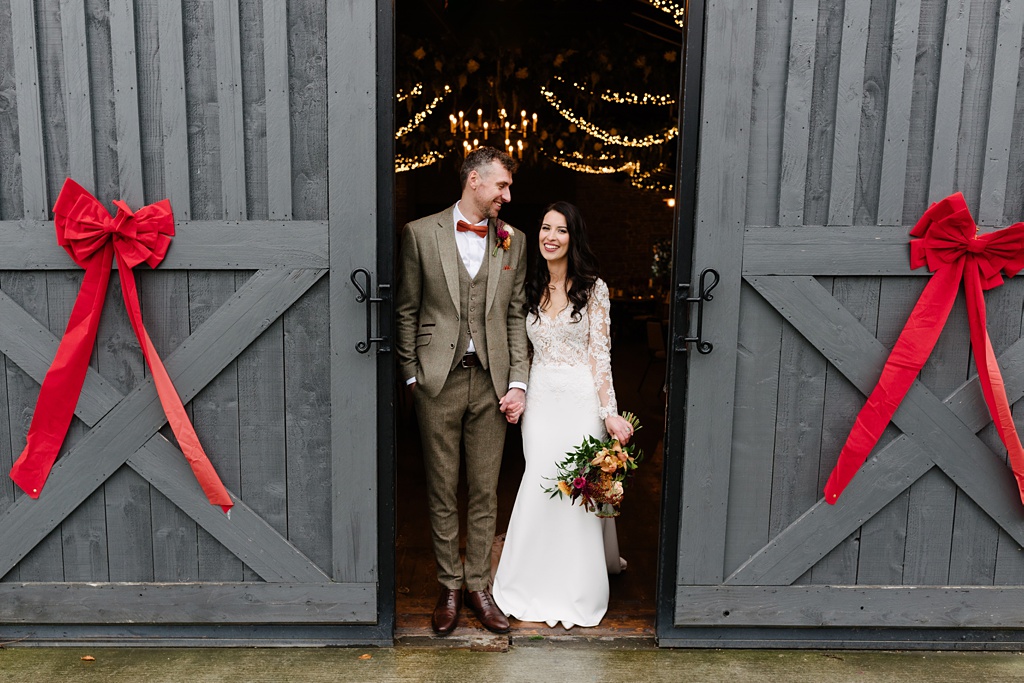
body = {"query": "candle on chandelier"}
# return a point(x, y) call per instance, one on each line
point(485, 130)
point(534, 123)
point(467, 129)
point(451, 119)
point(520, 146)
point(479, 117)
point(523, 114)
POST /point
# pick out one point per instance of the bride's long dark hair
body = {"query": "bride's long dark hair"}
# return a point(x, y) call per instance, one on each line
point(581, 272)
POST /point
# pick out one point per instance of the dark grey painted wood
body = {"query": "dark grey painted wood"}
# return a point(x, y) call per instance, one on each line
point(352, 134)
point(215, 417)
point(754, 420)
point(822, 130)
point(127, 497)
point(244, 533)
point(11, 197)
point(1000, 115)
point(161, 603)
point(860, 296)
point(261, 434)
point(30, 118)
point(133, 421)
point(897, 112)
point(767, 112)
point(83, 532)
point(278, 138)
point(799, 85)
point(721, 213)
point(949, 443)
point(849, 101)
point(28, 290)
point(77, 102)
point(915, 607)
point(229, 108)
point(126, 102)
point(976, 98)
point(308, 63)
point(165, 298)
point(172, 104)
point(947, 105)
point(201, 245)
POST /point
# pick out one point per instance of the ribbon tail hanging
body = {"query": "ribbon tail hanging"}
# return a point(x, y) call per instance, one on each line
point(990, 378)
point(177, 418)
point(908, 356)
point(62, 384)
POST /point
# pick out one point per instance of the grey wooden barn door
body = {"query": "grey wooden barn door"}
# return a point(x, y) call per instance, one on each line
point(826, 130)
point(258, 120)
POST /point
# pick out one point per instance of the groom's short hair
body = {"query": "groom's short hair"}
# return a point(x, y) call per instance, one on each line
point(482, 156)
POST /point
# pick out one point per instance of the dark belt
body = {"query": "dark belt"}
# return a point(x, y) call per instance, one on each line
point(470, 360)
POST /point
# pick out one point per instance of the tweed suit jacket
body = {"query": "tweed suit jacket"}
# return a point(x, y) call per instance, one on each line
point(427, 305)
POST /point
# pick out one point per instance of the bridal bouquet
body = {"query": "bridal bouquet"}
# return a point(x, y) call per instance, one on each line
point(594, 473)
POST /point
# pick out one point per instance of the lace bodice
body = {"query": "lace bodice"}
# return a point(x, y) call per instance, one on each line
point(562, 341)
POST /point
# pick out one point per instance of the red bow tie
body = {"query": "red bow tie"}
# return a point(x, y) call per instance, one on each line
point(480, 230)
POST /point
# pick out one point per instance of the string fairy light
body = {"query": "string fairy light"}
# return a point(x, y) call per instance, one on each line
point(603, 164)
point(417, 90)
point(419, 117)
point(403, 163)
point(677, 11)
point(646, 181)
point(600, 133)
point(623, 98)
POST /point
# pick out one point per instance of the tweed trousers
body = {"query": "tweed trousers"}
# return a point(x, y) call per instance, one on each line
point(466, 410)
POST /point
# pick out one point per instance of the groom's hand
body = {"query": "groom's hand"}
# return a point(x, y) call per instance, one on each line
point(512, 404)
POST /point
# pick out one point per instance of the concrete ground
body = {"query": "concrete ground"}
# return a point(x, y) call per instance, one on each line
point(540, 661)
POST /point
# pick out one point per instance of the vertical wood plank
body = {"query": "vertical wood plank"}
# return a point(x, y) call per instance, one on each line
point(757, 390)
point(148, 52)
point(897, 112)
point(126, 102)
point(822, 122)
point(947, 105)
point(718, 241)
point(849, 100)
point(261, 432)
point(203, 110)
point(799, 86)
point(165, 298)
point(977, 96)
point(229, 100)
point(83, 532)
point(309, 103)
point(842, 401)
point(767, 112)
point(28, 290)
point(1000, 114)
point(77, 104)
point(254, 109)
point(11, 198)
point(279, 143)
point(313, 474)
point(127, 495)
point(1009, 566)
point(30, 118)
point(215, 416)
point(172, 105)
point(798, 431)
point(352, 202)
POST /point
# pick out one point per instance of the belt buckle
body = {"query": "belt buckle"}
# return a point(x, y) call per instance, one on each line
point(466, 363)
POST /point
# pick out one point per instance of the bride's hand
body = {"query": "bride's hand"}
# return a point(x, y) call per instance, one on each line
point(618, 428)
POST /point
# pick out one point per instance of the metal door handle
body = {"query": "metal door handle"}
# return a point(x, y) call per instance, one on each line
point(703, 294)
point(383, 292)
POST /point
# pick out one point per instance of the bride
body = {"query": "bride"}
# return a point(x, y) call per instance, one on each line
point(552, 568)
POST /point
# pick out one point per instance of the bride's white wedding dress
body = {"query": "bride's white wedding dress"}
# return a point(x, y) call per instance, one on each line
point(552, 567)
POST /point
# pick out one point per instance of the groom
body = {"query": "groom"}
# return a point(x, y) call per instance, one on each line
point(461, 343)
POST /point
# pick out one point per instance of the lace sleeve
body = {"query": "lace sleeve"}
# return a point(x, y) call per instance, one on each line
point(599, 349)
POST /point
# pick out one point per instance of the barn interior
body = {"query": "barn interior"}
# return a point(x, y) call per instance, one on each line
point(585, 95)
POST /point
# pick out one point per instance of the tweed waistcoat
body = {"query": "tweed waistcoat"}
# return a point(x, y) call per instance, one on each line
point(472, 298)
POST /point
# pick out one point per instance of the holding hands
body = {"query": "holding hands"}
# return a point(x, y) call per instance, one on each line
point(513, 404)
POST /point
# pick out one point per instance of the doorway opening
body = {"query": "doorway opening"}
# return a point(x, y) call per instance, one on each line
point(585, 94)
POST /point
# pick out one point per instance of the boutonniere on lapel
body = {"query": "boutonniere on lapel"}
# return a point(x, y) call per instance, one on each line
point(504, 240)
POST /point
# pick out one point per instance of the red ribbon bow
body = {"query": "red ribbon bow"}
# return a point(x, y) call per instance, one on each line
point(92, 238)
point(947, 242)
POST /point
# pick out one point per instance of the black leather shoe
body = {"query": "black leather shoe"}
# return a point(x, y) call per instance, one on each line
point(486, 611)
point(446, 613)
